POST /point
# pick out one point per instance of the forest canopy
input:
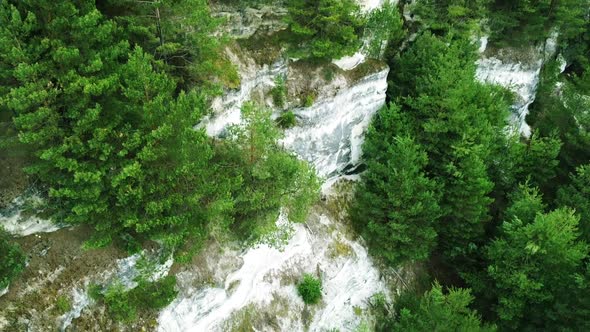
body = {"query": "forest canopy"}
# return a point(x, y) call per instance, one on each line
point(108, 111)
point(106, 101)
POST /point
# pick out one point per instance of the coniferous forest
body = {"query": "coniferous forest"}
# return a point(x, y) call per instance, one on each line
point(104, 107)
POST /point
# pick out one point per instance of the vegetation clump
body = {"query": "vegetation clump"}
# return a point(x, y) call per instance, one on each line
point(310, 289)
point(268, 178)
point(437, 311)
point(287, 120)
point(324, 29)
point(279, 92)
point(491, 211)
point(13, 259)
point(124, 305)
point(63, 304)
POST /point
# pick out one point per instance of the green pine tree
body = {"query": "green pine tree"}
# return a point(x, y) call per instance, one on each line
point(437, 311)
point(576, 195)
point(324, 29)
point(396, 207)
point(537, 273)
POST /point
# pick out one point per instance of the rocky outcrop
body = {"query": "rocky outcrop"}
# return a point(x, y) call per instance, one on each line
point(330, 132)
point(261, 294)
point(518, 70)
point(248, 21)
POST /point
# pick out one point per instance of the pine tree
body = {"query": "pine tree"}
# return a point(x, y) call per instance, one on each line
point(396, 207)
point(265, 177)
point(526, 203)
point(536, 271)
point(324, 29)
point(576, 195)
point(437, 311)
point(113, 141)
point(178, 32)
point(456, 120)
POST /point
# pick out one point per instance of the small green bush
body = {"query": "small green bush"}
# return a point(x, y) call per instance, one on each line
point(287, 120)
point(329, 73)
point(12, 259)
point(310, 289)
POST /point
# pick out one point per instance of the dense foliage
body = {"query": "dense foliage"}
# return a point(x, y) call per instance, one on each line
point(532, 21)
point(112, 129)
point(443, 16)
point(437, 311)
point(536, 272)
point(106, 97)
point(161, 27)
point(324, 29)
point(115, 146)
point(455, 122)
point(397, 205)
point(124, 305)
point(446, 183)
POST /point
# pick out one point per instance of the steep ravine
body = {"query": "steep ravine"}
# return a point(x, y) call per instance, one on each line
point(256, 288)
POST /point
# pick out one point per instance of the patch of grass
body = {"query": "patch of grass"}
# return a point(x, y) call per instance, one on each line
point(358, 311)
point(63, 304)
point(310, 289)
point(309, 99)
point(287, 120)
point(95, 292)
point(259, 318)
point(264, 48)
point(365, 69)
point(154, 294)
point(363, 327)
point(118, 303)
point(339, 248)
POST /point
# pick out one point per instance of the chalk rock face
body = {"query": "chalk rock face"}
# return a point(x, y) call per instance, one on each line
point(518, 70)
point(263, 290)
point(20, 218)
point(520, 79)
point(256, 80)
point(330, 132)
